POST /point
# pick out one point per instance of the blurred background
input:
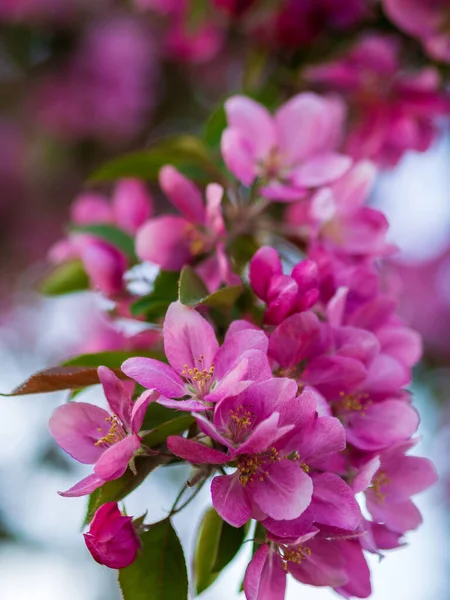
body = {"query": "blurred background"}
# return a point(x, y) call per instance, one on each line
point(80, 83)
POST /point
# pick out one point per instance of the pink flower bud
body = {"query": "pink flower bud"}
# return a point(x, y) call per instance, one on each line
point(112, 539)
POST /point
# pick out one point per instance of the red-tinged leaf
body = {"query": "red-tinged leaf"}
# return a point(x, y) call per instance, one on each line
point(60, 378)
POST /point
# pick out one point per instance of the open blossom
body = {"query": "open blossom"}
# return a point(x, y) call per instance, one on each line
point(287, 153)
point(104, 263)
point(172, 241)
point(92, 435)
point(389, 480)
point(112, 539)
point(337, 563)
point(198, 367)
point(275, 440)
point(427, 20)
point(338, 217)
point(283, 294)
point(391, 110)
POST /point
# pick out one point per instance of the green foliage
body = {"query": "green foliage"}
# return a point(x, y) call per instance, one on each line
point(64, 279)
point(217, 545)
point(113, 235)
point(111, 359)
point(155, 304)
point(185, 152)
point(159, 572)
point(175, 426)
point(193, 292)
point(214, 127)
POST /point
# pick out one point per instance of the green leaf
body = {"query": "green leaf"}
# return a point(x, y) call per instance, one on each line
point(184, 152)
point(66, 278)
point(215, 126)
point(217, 545)
point(157, 414)
point(159, 572)
point(159, 434)
point(193, 292)
point(113, 359)
point(115, 236)
point(59, 378)
point(155, 304)
point(114, 491)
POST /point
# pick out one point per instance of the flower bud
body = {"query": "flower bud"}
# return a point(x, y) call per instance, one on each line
point(112, 539)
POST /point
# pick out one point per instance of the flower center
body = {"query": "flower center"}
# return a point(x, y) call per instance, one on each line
point(241, 420)
point(115, 434)
point(253, 467)
point(380, 481)
point(273, 167)
point(197, 242)
point(353, 402)
point(296, 554)
point(199, 377)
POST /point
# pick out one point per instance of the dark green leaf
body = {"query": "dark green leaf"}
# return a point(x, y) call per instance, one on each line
point(115, 236)
point(114, 491)
point(64, 279)
point(156, 415)
point(159, 572)
point(214, 127)
point(59, 378)
point(113, 359)
point(159, 434)
point(192, 291)
point(217, 545)
point(183, 152)
point(165, 291)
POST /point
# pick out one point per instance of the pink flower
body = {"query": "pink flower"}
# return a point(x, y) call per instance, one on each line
point(275, 439)
point(283, 294)
point(427, 20)
point(112, 539)
point(288, 153)
point(92, 435)
point(104, 263)
point(394, 110)
point(338, 218)
point(198, 367)
point(339, 564)
point(389, 480)
point(172, 241)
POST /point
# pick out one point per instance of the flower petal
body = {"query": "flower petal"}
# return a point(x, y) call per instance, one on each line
point(165, 242)
point(154, 374)
point(321, 170)
point(196, 453)
point(77, 426)
point(86, 486)
point(118, 398)
point(230, 500)
point(183, 194)
point(113, 463)
point(189, 340)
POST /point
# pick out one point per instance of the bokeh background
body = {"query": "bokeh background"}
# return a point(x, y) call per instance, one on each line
point(81, 82)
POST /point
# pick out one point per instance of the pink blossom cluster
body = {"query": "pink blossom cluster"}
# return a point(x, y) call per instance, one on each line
point(300, 404)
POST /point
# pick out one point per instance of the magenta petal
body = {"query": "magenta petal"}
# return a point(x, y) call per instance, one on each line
point(113, 463)
point(381, 424)
point(234, 346)
point(89, 208)
point(139, 409)
point(264, 265)
point(86, 486)
point(323, 437)
point(189, 340)
point(77, 426)
point(264, 435)
point(408, 475)
point(334, 502)
point(321, 170)
point(324, 567)
point(186, 405)
point(154, 374)
point(196, 453)
point(118, 398)
point(365, 474)
point(230, 500)
point(238, 156)
point(165, 242)
point(231, 385)
point(399, 517)
point(281, 298)
point(284, 493)
point(132, 204)
point(214, 218)
point(293, 531)
point(294, 338)
point(258, 368)
point(265, 578)
point(254, 123)
point(183, 194)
